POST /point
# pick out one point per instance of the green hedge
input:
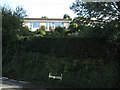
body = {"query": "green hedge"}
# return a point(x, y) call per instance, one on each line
point(33, 59)
point(68, 47)
point(35, 68)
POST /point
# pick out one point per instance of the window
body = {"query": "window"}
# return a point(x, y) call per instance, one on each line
point(30, 25)
point(58, 24)
point(53, 25)
point(47, 24)
point(36, 25)
point(50, 24)
point(62, 24)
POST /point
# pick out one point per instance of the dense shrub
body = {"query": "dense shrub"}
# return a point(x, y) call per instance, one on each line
point(41, 30)
point(75, 73)
point(55, 34)
point(11, 26)
point(59, 29)
point(24, 33)
point(73, 27)
point(68, 47)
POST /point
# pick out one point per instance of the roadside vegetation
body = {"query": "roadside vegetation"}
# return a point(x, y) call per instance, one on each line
point(89, 59)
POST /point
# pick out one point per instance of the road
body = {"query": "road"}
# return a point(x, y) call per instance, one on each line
point(10, 83)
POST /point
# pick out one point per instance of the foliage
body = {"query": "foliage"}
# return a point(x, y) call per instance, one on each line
point(44, 17)
point(55, 34)
point(58, 46)
point(88, 31)
point(112, 30)
point(41, 30)
point(83, 20)
point(102, 11)
point(11, 26)
point(75, 73)
point(66, 16)
point(73, 27)
point(59, 29)
point(24, 33)
point(20, 12)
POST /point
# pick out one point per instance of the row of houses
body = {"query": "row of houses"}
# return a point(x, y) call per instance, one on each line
point(49, 23)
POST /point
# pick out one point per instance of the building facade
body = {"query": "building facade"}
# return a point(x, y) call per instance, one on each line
point(50, 24)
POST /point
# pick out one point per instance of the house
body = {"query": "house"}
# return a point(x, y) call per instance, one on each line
point(49, 23)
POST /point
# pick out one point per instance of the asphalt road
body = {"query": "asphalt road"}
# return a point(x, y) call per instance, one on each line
point(10, 83)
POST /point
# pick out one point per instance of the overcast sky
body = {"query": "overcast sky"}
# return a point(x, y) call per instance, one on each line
point(38, 8)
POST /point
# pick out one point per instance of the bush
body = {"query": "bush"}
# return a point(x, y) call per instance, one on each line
point(73, 27)
point(24, 33)
point(11, 27)
point(41, 30)
point(76, 74)
point(54, 34)
point(59, 29)
point(68, 47)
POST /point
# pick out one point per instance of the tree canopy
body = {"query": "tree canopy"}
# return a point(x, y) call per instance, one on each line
point(12, 23)
point(101, 11)
point(66, 16)
point(44, 17)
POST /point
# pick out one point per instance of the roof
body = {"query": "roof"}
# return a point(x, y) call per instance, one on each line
point(45, 19)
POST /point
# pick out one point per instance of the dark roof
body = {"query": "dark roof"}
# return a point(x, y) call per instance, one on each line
point(44, 19)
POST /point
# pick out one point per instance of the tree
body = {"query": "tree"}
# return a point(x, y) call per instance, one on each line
point(44, 17)
point(80, 20)
point(102, 11)
point(11, 25)
point(66, 16)
point(20, 12)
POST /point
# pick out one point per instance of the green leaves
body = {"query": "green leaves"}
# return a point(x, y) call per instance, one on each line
point(44, 17)
point(20, 12)
point(66, 16)
point(73, 27)
point(98, 10)
point(12, 21)
point(59, 29)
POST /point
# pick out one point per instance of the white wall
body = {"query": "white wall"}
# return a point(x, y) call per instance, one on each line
point(66, 25)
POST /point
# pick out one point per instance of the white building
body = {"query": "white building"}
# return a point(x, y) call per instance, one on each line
point(49, 23)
